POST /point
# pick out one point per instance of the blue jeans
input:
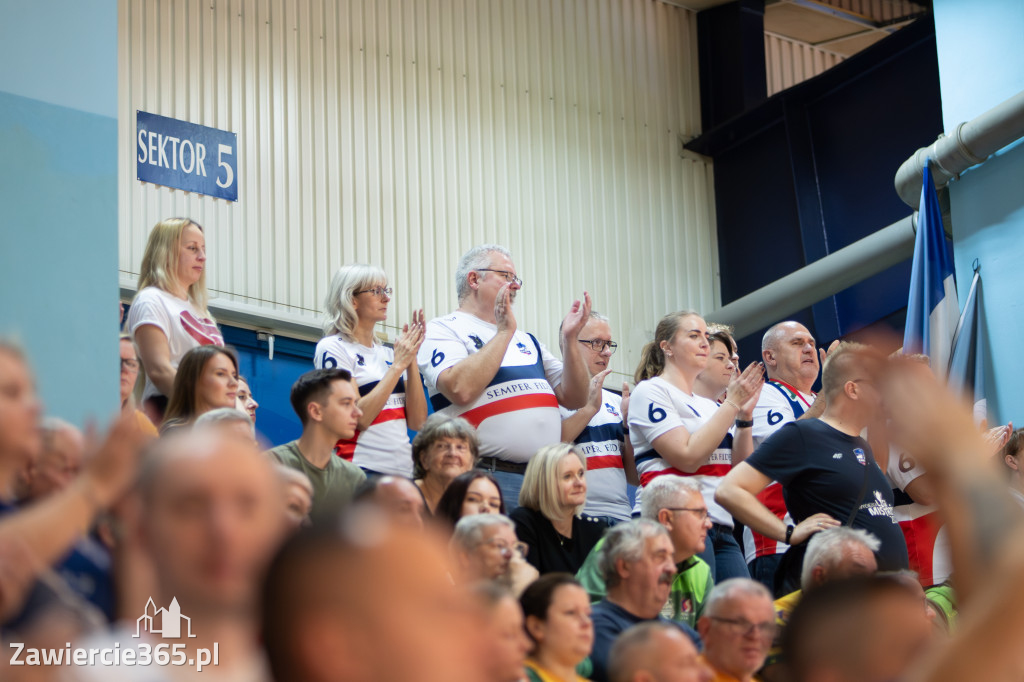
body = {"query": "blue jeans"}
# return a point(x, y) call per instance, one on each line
point(509, 483)
point(723, 555)
point(762, 569)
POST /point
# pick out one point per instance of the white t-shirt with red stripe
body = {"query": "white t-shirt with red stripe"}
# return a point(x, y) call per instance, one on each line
point(601, 441)
point(181, 322)
point(927, 542)
point(384, 447)
point(655, 408)
point(517, 413)
point(779, 404)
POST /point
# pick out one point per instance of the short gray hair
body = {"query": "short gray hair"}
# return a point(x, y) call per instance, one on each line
point(438, 426)
point(469, 531)
point(728, 589)
point(624, 659)
point(662, 493)
point(625, 541)
point(223, 415)
point(826, 548)
point(476, 258)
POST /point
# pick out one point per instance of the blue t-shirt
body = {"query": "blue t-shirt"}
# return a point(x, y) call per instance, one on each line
point(822, 469)
point(610, 620)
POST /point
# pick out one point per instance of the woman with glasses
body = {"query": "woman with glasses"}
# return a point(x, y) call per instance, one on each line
point(599, 428)
point(129, 377)
point(357, 300)
point(677, 431)
point(444, 449)
point(556, 612)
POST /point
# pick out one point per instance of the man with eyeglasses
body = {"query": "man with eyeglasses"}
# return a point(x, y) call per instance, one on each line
point(737, 629)
point(479, 365)
point(484, 547)
point(599, 428)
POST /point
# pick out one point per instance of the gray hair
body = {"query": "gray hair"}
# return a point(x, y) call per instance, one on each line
point(729, 589)
point(436, 427)
point(663, 492)
point(476, 258)
point(223, 415)
point(340, 314)
point(469, 531)
point(624, 659)
point(625, 541)
point(826, 548)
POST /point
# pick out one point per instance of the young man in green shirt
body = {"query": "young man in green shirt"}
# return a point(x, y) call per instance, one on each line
point(325, 401)
point(678, 505)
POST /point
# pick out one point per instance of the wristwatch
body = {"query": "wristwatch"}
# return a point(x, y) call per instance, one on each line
point(744, 423)
point(789, 532)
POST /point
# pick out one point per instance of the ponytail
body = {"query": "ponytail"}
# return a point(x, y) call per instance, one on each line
point(652, 358)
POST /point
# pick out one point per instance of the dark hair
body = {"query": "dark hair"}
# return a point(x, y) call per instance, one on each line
point(723, 338)
point(314, 386)
point(1014, 446)
point(181, 408)
point(449, 507)
point(536, 598)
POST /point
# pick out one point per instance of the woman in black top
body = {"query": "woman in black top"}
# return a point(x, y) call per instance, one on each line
point(549, 518)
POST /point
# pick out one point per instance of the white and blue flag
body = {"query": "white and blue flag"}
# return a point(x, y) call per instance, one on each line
point(933, 310)
point(967, 362)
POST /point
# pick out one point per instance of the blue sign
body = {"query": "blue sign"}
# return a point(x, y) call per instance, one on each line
point(186, 156)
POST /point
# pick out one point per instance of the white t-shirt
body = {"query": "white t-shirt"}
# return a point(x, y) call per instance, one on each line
point(779, 404)
point(183, 325)
point(601, 441)
point(928, 546)
point(655, 408)
point(517, 413)
point(384, 447)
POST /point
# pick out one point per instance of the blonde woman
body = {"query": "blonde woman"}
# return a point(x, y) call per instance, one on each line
point(169, 315)
point(358, 299)
point(549, 518)
point(675, 430)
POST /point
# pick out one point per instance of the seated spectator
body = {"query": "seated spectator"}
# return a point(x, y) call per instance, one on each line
point(322, 622)
point(230, 418)
point(129, 376)
point(246, 400)
point(210, 521)
point(206, 379)
point(325, 401)
point(653, 651)
point(56, 465)
point(913, 582)
point(636, 562)
point(737, 629)
point(505, 643)
point(169, 314)
point(484, 547)
point(549, 518)
point(1013, 459)
point(444, 449)
point(677, 504)
point(474, 492)
point(557, 613)
point(396, 496)
point(298, 496)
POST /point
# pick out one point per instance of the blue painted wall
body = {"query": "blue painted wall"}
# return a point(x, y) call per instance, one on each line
point(58, 189)
point(980, 65)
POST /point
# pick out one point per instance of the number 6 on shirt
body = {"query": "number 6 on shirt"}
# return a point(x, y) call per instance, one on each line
point(655, 414)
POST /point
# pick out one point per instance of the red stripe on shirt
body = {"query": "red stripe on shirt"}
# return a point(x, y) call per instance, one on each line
point(388, 415)
point(346, 447)
point(772, 498)
point(505, 405)
point(920, 535)
point(714, 470)
point(604, 462)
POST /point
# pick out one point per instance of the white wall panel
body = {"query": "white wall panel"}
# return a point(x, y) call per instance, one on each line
point(788, 62)
point(403, 132)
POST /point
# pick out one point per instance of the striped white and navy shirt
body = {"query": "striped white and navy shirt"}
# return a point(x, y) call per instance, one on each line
point(602, 441)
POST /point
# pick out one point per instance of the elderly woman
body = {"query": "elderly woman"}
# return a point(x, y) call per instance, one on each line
point(557, 620)
point(207, 378)
point(550, 515)
point(445, 448)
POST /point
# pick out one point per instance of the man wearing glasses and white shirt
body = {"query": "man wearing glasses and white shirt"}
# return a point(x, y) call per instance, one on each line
point(478, 365)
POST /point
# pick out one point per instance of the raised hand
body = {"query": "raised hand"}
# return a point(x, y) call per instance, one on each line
point(504, 318)
point(111, 467)
point(578, 315)
point(624, 407)
point(746, 387)
point(407, 345)
point(822, 353)
point(596, 386)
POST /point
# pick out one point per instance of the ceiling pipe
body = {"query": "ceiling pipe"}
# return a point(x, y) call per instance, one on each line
point(822, 278)
point(972, 143)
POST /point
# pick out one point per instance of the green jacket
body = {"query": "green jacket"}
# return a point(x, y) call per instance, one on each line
point(690, 588)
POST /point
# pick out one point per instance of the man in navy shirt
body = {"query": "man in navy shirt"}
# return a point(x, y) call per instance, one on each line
point(826, 469)
point(636, 561)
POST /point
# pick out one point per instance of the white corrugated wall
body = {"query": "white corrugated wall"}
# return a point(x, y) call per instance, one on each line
point(788, 62)
point(402, 132)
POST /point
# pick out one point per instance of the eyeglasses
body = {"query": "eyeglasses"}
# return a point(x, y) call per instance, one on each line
point(520, 548)
point(128, 363)
point(509, 276)
point(743, 627)
point(600, 344)
point(701, 512)
point(379, 292)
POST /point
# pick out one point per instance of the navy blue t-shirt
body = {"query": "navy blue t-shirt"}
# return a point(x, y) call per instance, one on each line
point(822, 469)
point(610, 620)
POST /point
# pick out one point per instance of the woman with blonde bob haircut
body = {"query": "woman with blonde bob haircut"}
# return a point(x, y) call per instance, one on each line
point(356, 301)
point(444, 449)
point(550, 517)
point(169, 316)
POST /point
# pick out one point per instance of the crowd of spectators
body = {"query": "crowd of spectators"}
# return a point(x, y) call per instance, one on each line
point(711, 522)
